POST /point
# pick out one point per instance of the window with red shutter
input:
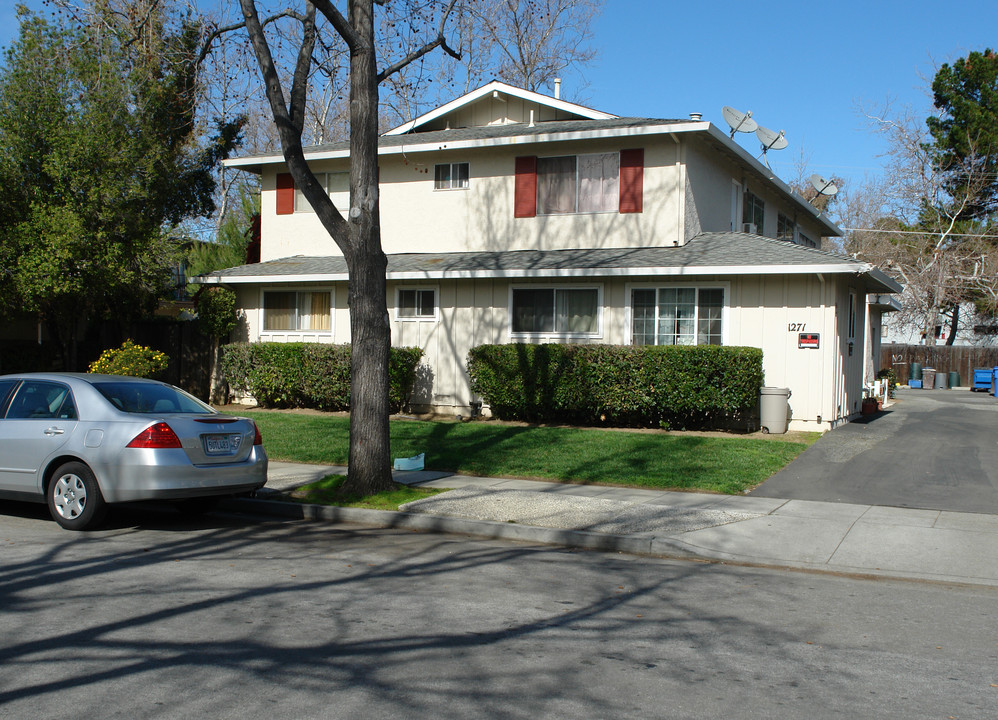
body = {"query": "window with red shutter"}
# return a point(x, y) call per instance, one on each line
point(285, 194)
point(632, 166)
point(525, 190)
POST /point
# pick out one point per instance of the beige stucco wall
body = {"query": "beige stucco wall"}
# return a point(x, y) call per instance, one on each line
point(417, 218)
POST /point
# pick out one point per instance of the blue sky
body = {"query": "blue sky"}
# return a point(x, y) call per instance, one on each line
point(804, 67)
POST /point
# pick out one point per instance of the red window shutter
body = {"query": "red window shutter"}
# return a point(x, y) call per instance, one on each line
point(285, 194)
point(525, 193)
point(632, 167)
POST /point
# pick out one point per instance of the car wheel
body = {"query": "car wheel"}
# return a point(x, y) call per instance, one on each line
point(74, 498)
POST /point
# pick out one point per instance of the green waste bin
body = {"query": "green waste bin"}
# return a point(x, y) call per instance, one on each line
point(954, 379)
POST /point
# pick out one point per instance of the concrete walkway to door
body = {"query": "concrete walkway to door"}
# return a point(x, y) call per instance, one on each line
point(932, 449)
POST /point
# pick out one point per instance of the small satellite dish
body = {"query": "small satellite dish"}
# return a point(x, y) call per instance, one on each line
point(823, 186)
point(738, 121)
point(771, 140)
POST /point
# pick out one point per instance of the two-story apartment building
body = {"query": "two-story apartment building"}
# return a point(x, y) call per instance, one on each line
point(509, 216)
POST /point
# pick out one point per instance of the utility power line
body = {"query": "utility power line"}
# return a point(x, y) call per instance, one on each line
point(919, 232)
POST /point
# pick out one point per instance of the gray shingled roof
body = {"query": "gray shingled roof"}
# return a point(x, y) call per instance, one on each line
point(706, 253)
point(488, 132)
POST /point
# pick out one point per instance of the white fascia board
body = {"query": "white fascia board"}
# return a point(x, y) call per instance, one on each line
point(496, 86)
point(269, 279)
point(521, 273)
point(884, 279)
point(637, 131)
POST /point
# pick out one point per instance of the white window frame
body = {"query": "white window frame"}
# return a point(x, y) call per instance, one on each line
point(598, 287)
point(451, 185)
point(435, 317)
point(578, 181)
point(724, 286)
point(340, 198)
point(297, 333)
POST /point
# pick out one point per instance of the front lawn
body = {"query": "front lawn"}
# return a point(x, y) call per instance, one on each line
point(665, 461)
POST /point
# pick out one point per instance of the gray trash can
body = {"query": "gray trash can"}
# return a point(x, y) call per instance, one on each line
point(942, 381)
point(928, 378)
point(774, 409)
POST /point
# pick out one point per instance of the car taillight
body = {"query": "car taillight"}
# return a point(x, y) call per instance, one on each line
point(157, 436)
point(257, 439)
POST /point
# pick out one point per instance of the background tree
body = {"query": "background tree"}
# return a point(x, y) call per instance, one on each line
point(922, 227)
point(97, 123)
point(965, 131)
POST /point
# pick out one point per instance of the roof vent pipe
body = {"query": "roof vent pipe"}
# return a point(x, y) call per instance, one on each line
point(695, 117)
point(531, 118)
point(557, 88)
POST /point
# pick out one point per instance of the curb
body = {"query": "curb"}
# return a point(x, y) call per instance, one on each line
point(489, 529)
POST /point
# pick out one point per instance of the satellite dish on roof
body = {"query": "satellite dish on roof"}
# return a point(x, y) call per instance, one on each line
point(823, 186)
point(738, 121)
point(771, 140)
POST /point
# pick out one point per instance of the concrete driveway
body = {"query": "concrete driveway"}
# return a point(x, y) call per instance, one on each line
point(932, 449)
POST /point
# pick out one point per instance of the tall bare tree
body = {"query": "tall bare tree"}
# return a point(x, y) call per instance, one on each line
point(920, 227)
point(358, 235)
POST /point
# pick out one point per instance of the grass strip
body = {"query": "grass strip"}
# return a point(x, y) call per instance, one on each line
point(327, 492)
point(666, 461)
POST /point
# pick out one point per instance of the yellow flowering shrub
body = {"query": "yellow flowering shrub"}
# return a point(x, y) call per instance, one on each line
point(130, 359)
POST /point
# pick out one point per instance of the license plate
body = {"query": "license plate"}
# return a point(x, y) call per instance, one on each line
point(220, 444)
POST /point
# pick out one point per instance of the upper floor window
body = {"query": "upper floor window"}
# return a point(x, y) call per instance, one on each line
point(753, 211)
point(416, 304)
point(337, 185)
point(806, 241)
point(451, 176)
point(677, 316)
point(555, 311)
point(295, 311)
point(784, 228)
point(578, 183)
point(599, 182)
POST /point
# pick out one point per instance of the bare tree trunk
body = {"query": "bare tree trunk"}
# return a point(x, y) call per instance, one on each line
point(954, 324)
point(370, 462)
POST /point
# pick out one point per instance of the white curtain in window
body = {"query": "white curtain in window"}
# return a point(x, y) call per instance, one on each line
point(599, 182)
point(576, 311)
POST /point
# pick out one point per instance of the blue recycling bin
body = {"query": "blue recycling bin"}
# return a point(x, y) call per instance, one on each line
point(982, 379)
point(994, 381)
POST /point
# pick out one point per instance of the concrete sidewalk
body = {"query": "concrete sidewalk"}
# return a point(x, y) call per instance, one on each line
point(829, 536)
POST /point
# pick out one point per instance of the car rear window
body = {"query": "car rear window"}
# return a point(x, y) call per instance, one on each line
point(134, 397)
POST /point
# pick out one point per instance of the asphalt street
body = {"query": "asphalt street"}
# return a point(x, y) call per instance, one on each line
point(933, 449)
point(156, 616)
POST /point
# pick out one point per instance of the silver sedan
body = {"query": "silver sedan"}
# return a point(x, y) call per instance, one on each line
point(79, 441)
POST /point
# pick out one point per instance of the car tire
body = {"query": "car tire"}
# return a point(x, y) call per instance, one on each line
point(74, 498)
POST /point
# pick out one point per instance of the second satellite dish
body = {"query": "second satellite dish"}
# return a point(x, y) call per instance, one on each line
point(771, 140)
point(738, 121)
point(823, 186)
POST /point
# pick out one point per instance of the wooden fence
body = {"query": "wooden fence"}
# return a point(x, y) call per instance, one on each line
point(945, 358)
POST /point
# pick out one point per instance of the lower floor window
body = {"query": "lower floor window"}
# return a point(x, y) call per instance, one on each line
point(676, 316)
point(560, 311)
point(416, 304)
point(295, 311)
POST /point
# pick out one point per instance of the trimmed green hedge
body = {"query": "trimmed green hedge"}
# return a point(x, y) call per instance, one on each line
point(678, 386)
point(310, 375)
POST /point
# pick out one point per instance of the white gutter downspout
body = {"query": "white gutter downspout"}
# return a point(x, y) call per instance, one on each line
point(824, 352)
point(680, 192)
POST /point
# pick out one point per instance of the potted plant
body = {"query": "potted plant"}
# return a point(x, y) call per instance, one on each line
point(870, 405)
